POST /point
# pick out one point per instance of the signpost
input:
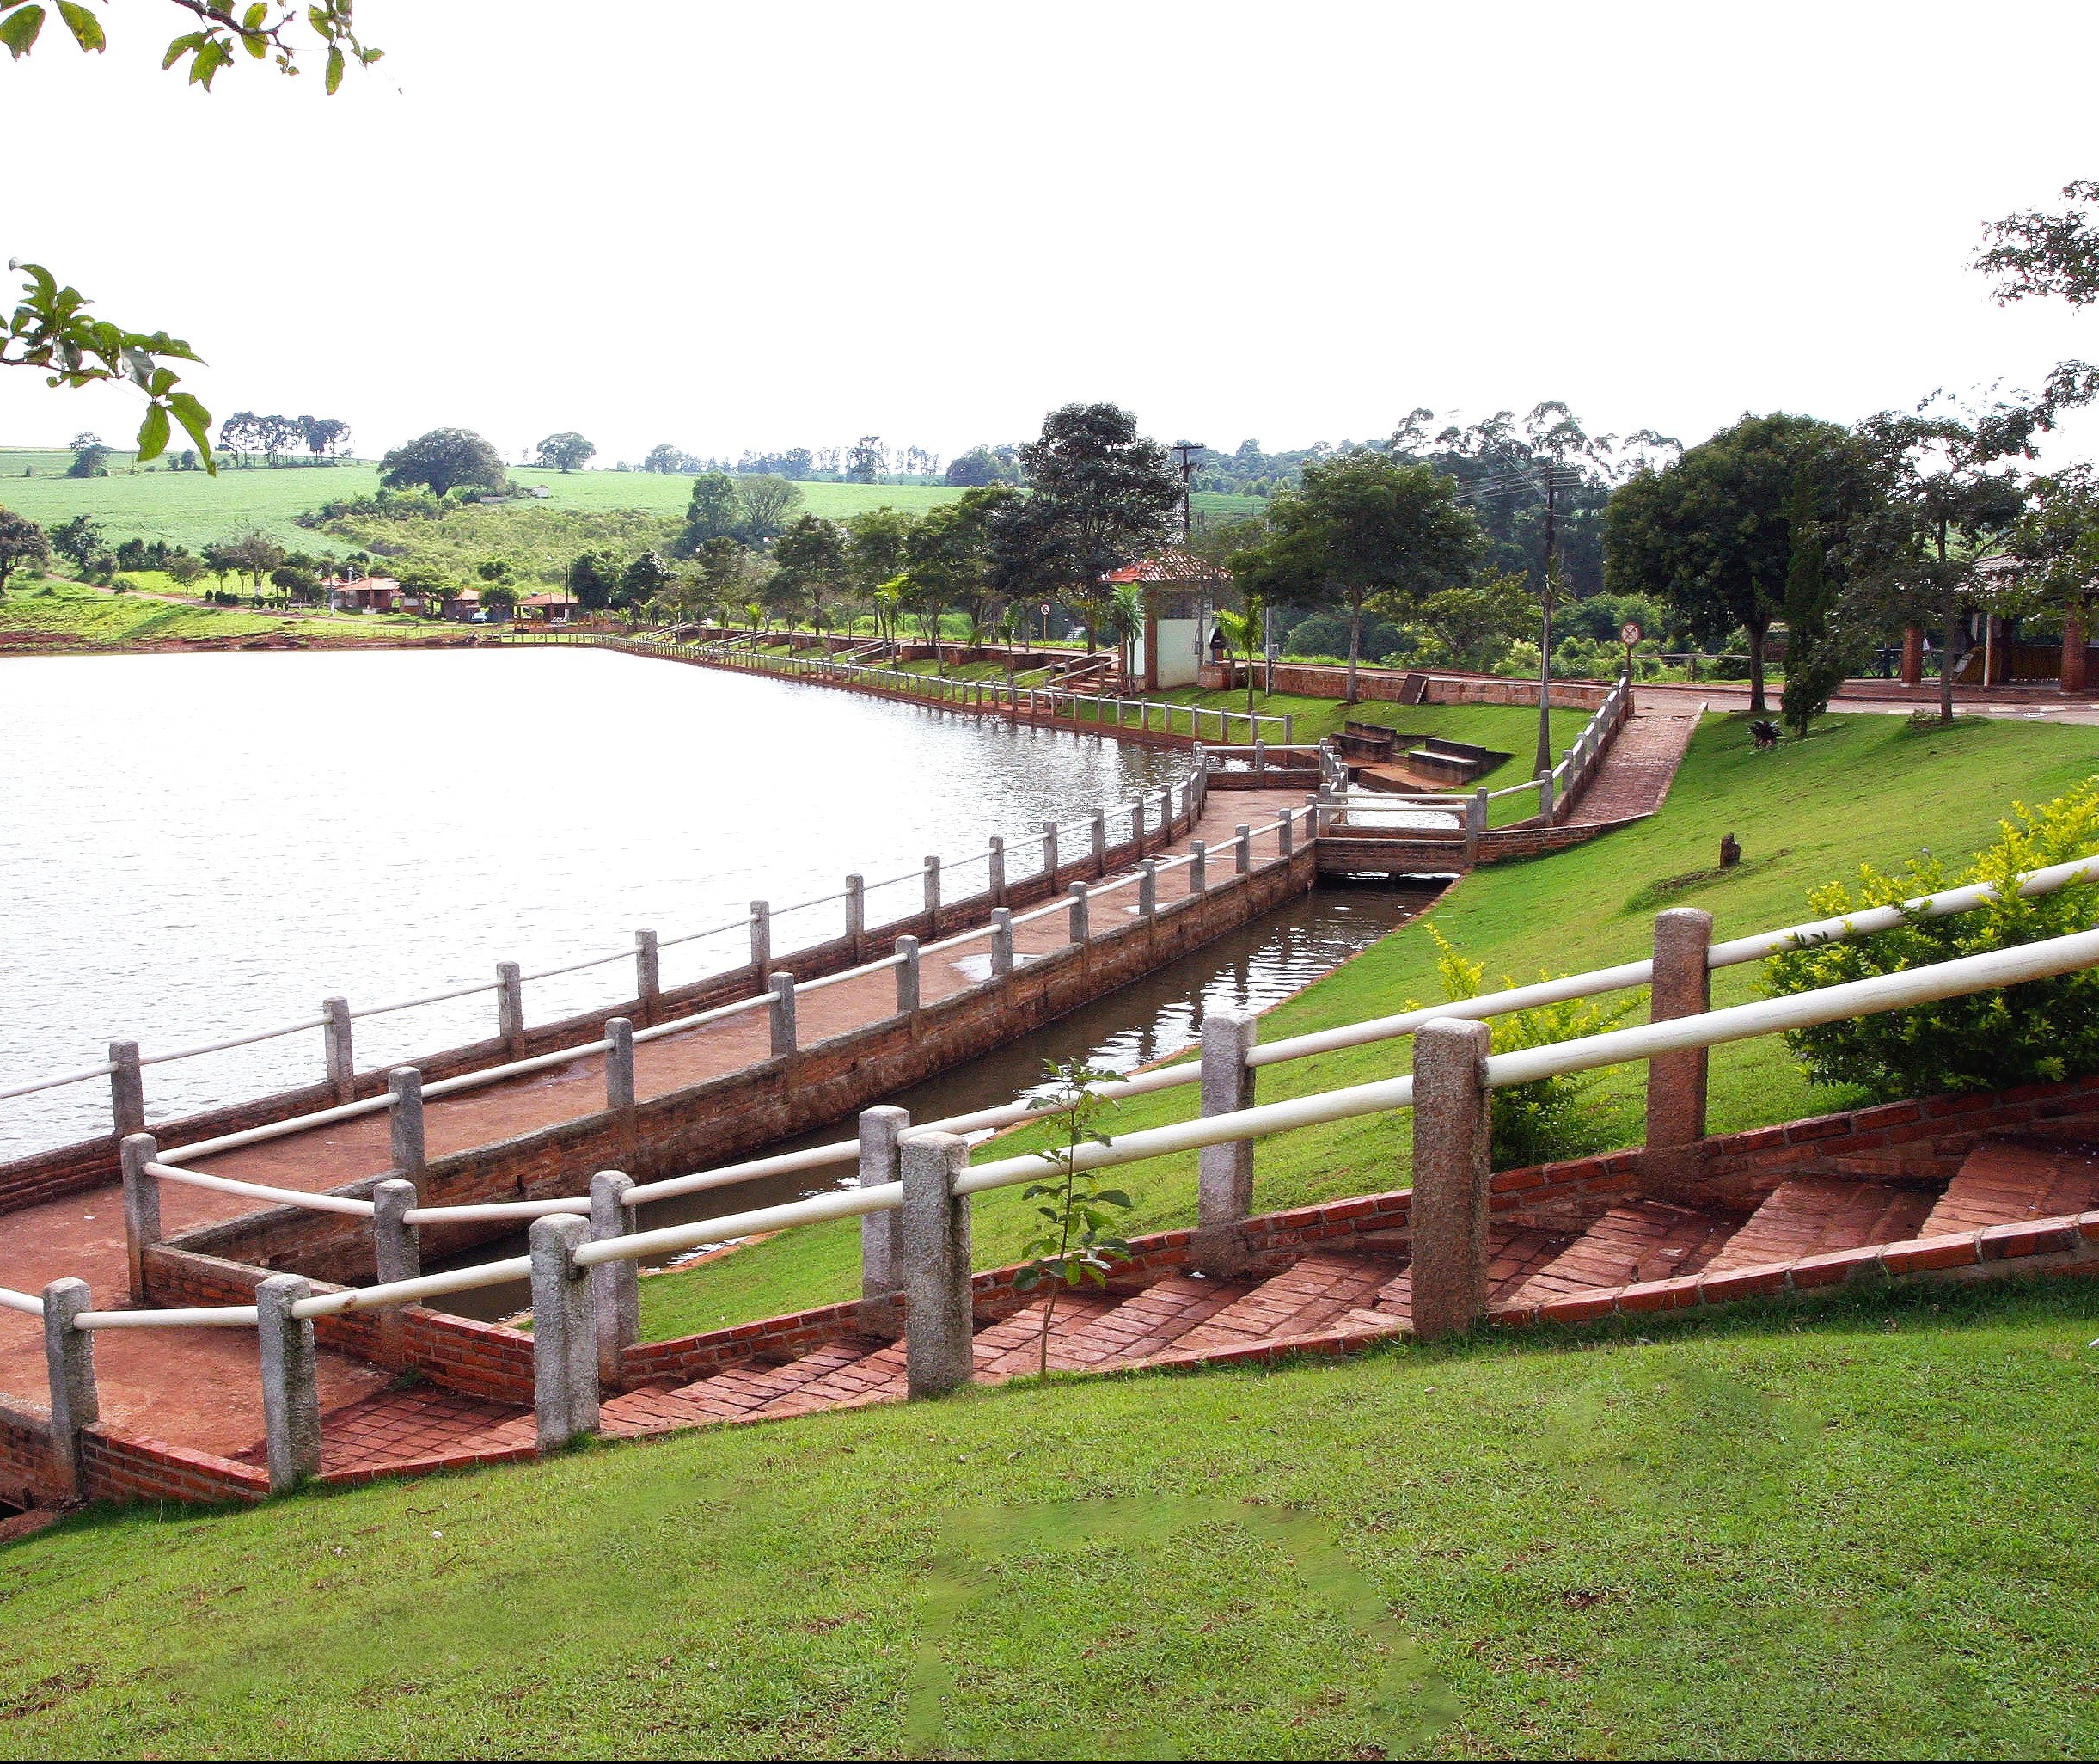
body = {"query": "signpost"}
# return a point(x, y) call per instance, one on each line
point(1629, 635)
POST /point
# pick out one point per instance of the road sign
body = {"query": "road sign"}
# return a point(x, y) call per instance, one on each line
point(1629, 634)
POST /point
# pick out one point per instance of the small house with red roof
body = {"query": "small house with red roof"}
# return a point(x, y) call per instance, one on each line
point(1179, 589)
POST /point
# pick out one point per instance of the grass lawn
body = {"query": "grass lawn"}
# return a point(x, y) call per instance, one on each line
point(1861, 789)
point(1855, 1526)
point(82, 614)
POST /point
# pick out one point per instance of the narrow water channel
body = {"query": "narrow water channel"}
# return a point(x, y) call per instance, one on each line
point(1152, 1019)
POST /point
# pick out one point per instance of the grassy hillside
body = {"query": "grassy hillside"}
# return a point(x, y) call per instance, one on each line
point(1862, 789)
point(79, 613)
point(194, 509)
point(1856, 1528)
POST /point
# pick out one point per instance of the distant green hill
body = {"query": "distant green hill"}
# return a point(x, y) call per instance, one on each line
point(194, 509)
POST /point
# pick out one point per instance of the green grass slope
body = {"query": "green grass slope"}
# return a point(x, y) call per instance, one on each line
point(76, 613)
point(1855, 1528)
point(1862, 789)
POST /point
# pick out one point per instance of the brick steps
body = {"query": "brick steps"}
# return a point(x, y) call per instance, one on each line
point(1639, 1255)
point(1643, 1240)
point(1811, 1215)
point(2004, 1181)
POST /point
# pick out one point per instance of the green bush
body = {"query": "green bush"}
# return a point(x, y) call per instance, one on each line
point(1550, 1119)
point(2043, 1030)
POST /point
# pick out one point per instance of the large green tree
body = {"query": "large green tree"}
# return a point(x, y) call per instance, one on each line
point(1712, 535)
point(443, 460)
point(1364, 527)
point(767, 501)
point(810, 575)
point(1950, 493)
point(714, 511)
point(947, 559)
point(566, 451)
point(22, 543)
point(1101, 496)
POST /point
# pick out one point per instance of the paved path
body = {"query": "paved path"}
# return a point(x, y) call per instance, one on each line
point(1642, 761)
point(201, 1388)
point(1891, 698)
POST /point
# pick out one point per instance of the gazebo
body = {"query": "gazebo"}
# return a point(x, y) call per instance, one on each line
point(1177, 588)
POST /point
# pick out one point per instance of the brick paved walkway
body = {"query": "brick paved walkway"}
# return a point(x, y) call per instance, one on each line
point(1636, 772)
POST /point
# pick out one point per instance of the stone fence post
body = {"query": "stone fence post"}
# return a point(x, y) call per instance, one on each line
point(781, 1013)
point(995, 866)
point(1050, 859)
point(907, 975)
point(397, 1254)
point(341, 1060)
point(291, 1383)
point(127, 1089)
point(760, 938)
point(1081, 928)
point(620, 1065)
point(1676, 1082)
point(881, 1237)
point(1224, 1173)
point(1242, 862)
point(1097, 835)
point(856, 913)
point(935, 1227)
point(615, 1287)
point(1001, 941)
point(509, 1008)
point(1452, 1134)
point(1136, 827)
point(933, 894)
point(648, 974)
point(142, 1207)
point(564, 1334)
point(1198, 856)
point(405, 1118)
point(69, 1361)
point(1147, 888)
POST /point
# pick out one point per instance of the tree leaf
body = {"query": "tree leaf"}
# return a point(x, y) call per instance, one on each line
point(18, 30)
point(153, 433)
point(86, 28)
point(335, 68)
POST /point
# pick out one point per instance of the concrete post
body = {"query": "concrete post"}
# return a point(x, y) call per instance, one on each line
point(1242, 847)
point(760, 938)
point(1001, 941)
point(142, 1207)
point(1260, 760)
point(648, 974)
point(1452, 1135)
point(564, 1335)
point(620, 1064)
point(615, 1287)
point(933, 895)
point(1225, 1177)
point(405, 1117)
point(1285, 832)
point(1096, 832)
point(781, 986)
point(1683, 987)
point(291, 1383)
point(127, 1089)
point(397, 1254)
point(996, 866)
point(1136, 827)
point(856, 913)
point(934, 1229)
point(1544, 796)
point(1147, 887)
point(881, 1264)
point(69, 1360)
point(341, 1062)
point(510, 1006)
point(907, 975)
point(1081, 928)
point(1165, 815)
point(1050, 859)
point(397, 1251)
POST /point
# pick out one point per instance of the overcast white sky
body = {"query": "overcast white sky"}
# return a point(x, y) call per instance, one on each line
point(727, 226)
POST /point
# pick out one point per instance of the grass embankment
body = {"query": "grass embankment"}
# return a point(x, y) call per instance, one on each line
point(75, 613)
point(1850, 1528)
point(1862, 789)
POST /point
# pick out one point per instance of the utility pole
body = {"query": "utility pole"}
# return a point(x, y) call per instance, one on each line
point(1187, 450)
point(1545, 638)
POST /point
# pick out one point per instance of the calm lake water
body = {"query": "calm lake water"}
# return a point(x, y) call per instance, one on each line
point(197, 846)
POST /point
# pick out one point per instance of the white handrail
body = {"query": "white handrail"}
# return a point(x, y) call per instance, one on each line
point(26, 1302)
point(212, 1047)
point(258, 1191)
point(36, 1084)
point(410, 1004)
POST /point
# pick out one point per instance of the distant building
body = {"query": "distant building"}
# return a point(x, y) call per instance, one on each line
point(548, 608)
point(1178, 589)
point(372, 594)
